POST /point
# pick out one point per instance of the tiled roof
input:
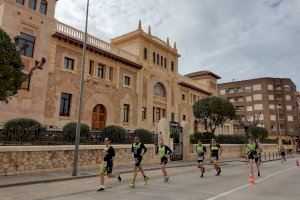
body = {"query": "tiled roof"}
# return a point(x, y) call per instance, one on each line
point(202, 73)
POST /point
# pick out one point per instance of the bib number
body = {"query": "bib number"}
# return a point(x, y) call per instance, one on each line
point(136, 160)
point(200, 157)
point(104, 164)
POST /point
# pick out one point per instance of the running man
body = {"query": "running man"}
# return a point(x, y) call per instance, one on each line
point(259, 153)
point(201, 151)
point(253, 155)
point(245, 154)
point(163, 152)
point(215, 151)
point(138, 150)
point(282, 150)
point(107, 164)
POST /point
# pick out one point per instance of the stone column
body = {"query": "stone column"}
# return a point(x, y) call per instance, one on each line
point(163, 127)
point(185, 140)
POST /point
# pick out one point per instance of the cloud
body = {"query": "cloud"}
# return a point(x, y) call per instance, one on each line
point(234, 38)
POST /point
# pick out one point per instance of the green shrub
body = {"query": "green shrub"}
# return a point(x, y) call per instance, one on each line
point(231, 139)
point(22, 129)
point(116, 134)
point(69, 131)
point(204, 136)
point(144, 135)
point(258, 132)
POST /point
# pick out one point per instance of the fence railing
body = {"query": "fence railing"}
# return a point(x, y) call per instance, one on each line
point(56, 136)
point(96, 42)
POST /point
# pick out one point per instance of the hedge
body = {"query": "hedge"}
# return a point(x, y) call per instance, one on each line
point(114, 133)
point(69, 131)
point(144, 135)
point(22, 129)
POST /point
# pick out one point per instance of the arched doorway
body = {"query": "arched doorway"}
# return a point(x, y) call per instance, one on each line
point(99, 117)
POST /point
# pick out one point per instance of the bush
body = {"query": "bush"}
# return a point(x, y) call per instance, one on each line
point(22, 129)
point(231, 139)
point(144, 135)
point(258, 132)
point(69, 131)
point(114, 133)
point(204, 136)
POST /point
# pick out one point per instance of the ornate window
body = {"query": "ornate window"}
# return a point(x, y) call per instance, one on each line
point(159, 90)
point(32, 4)
point(145, 53)
point(43, 7)
point(20, 2)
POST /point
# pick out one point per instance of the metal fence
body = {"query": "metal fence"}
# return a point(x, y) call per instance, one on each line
point(56, 136)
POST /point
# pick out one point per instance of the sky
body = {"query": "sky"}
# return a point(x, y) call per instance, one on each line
point(236, 39)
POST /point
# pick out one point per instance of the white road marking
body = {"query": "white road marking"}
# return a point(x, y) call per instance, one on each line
point(247, 185)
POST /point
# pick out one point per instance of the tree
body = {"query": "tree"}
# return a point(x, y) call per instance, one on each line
point(257, 132)
point(249, 121)
point(11, 67)
point(11, 76)
point(213, 112)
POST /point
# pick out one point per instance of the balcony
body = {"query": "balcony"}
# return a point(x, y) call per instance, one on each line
point(95, 42)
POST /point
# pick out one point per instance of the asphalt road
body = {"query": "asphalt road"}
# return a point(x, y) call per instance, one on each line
point(278, 181)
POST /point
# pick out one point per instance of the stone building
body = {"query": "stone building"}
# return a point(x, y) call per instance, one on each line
point(272, 102)
point(131, 81)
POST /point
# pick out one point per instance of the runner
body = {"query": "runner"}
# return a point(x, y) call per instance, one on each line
point(282, 150)
point(216, 151)
point(107, 164)
point(259, 153)
point(253, 155)
point(201, 151)
point(163, 152)
point(245, 154)
point(138, 150)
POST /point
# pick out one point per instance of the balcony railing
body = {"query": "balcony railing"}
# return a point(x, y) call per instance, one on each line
point(93, 41)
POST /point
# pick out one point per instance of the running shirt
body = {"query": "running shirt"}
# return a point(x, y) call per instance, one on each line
point(214, 149)
point(137, 148)
point(252, 147)
point(200, 150)
point(163, 151)
point(110, 154)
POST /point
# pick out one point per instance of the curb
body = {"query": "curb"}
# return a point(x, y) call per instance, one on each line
point(95, 175)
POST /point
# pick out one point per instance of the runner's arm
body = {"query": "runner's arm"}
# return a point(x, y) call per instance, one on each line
point(144, 149)
point(168, 150)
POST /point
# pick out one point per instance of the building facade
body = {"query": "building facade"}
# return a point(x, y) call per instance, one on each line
point(131, 81)
point(270, 102)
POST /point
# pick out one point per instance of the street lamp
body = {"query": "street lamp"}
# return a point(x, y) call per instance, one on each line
point(77, 138)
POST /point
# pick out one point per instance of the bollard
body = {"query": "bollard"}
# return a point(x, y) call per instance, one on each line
point(269, 156)
point(273, 155)
point(265, 156)
point(276, 154)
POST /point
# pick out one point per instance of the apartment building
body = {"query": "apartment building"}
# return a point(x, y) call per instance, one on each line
point(272, 102)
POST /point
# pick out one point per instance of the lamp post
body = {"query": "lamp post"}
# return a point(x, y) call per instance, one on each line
point(77, 138)
point(278, 126)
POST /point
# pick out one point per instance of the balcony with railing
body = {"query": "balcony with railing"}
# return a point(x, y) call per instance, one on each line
point(76, 34)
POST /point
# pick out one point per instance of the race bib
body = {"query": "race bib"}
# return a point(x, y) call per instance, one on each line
point(200, 157)
point(135, 151)
point(136, 160)
point(213, 158)
point(104, 163)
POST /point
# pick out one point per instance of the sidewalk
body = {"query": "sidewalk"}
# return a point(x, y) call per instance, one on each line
point(26, 179)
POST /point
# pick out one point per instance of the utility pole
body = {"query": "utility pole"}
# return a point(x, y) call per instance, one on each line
point(78, 127)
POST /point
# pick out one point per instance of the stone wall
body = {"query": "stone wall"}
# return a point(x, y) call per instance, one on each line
point(39, 159)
